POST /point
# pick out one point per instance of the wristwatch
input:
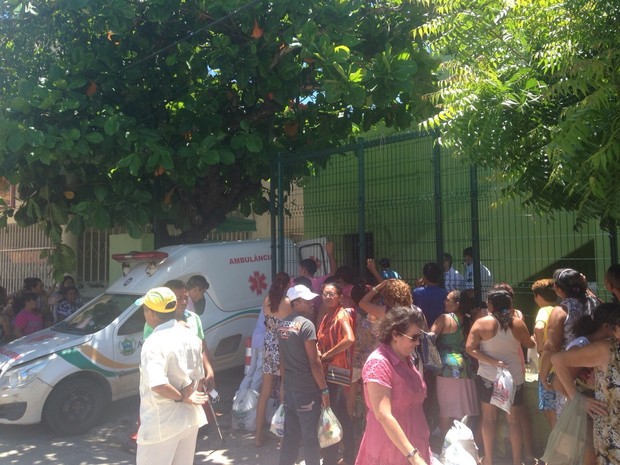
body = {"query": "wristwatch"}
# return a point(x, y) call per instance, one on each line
point(412, 453)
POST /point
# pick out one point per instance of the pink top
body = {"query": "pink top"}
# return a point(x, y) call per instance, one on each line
point(408, 392)
point(28, 322)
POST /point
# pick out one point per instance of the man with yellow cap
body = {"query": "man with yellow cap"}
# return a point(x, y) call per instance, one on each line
point(170, 371)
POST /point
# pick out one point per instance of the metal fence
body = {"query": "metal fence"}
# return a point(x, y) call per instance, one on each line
point(405, 198)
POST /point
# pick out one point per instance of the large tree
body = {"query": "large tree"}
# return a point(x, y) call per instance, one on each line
point(532, 89)
point(130, 112)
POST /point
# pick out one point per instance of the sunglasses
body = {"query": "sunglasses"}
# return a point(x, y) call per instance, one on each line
point(414, 338)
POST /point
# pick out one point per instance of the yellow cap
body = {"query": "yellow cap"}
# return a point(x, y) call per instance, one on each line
point(159, 299)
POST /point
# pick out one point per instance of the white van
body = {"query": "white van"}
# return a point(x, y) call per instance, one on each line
point(67, 374)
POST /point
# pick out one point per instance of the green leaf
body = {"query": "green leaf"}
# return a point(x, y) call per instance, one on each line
point(254, 143)
point(101, 192)
point(15, 141)
point(111, 126)
point(94, 137)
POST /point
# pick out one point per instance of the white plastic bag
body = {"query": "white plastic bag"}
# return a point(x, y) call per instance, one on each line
point(329, 429)
point(244, 410)
point(459, 446)
point(503, 390)
point(277, 422)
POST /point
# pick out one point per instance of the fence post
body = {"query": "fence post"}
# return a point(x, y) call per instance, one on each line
point(613, 242)
point(361, 201)
point(280, 207)
point(438, 205)
point(273, 213)
point(475, 231)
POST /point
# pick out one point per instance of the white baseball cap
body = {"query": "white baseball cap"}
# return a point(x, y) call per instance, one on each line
point(300, 292)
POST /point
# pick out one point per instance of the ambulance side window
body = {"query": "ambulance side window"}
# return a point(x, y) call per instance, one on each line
point(135, 323)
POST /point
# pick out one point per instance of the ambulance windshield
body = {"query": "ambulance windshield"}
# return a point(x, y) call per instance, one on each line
point(96, 314)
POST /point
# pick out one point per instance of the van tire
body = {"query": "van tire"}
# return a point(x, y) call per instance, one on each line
point(74, 406)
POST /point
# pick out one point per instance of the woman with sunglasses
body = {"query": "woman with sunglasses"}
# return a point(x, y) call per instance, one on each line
point(456, 390)
point(495, 341)
point(396, 429)
point(335, 340)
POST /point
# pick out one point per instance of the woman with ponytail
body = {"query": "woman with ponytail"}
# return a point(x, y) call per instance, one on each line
point(575, 301)
point(495, 341)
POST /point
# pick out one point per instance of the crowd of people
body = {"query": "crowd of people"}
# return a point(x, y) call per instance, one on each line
point(365, 334)
point(32, 308)
point(349, 343)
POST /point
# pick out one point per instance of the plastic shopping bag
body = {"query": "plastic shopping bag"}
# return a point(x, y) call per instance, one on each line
point(459, 447)
point(503, 390)
point(244, 410)
point(329, 429)
point(277, 422)
point(567, 441)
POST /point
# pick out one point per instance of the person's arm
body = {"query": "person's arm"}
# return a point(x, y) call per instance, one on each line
point(317, 370)
point(343, 344)
point(209, 379)
point(597, 354)
point(553, 344)
point(366, 304)
point(440, 324)
point(185, 395)
point(472, 347)
point(6, 328)
point(329, 248)
point(523, 334)
point(539, 334)
point(380, 400)
point(372, 267)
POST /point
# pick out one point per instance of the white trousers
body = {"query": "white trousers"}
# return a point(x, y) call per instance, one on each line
point(178, 450)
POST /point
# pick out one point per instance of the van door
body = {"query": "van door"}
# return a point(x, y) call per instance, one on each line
point(315, 249)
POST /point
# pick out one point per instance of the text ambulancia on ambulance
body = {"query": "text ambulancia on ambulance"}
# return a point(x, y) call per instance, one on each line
point(67, 374)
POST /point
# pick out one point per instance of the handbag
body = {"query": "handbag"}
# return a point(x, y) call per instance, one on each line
point(338, 375)
point(428, 353)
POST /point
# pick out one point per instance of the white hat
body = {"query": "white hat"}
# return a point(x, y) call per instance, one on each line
point(300, 292)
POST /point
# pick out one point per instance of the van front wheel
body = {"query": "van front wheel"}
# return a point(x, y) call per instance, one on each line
point(74, 406)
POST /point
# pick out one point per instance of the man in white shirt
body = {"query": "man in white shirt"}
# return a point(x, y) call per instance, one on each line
point(451, 278)
point(486, 279)
point(170, 371)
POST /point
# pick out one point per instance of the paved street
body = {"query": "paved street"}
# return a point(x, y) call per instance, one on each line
point(37, 445)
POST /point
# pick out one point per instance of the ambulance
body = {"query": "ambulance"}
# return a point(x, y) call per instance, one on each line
point(67, 374)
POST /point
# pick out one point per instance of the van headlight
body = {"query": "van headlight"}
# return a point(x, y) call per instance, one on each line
point(22, 375)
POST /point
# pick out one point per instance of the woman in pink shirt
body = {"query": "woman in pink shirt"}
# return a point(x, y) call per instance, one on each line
point(28, 320)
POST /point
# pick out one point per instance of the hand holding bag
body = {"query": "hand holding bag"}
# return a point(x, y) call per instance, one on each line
point(503, 390)
point(277, 422)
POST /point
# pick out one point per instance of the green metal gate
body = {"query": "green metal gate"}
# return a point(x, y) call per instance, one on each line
point(404, 198)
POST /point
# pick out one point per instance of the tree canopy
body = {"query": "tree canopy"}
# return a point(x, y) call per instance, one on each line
point(170, 112)
point(531, 89)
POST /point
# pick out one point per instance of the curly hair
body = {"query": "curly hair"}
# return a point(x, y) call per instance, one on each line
point(399, 319)
point(277, 291)
point(397, 293)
